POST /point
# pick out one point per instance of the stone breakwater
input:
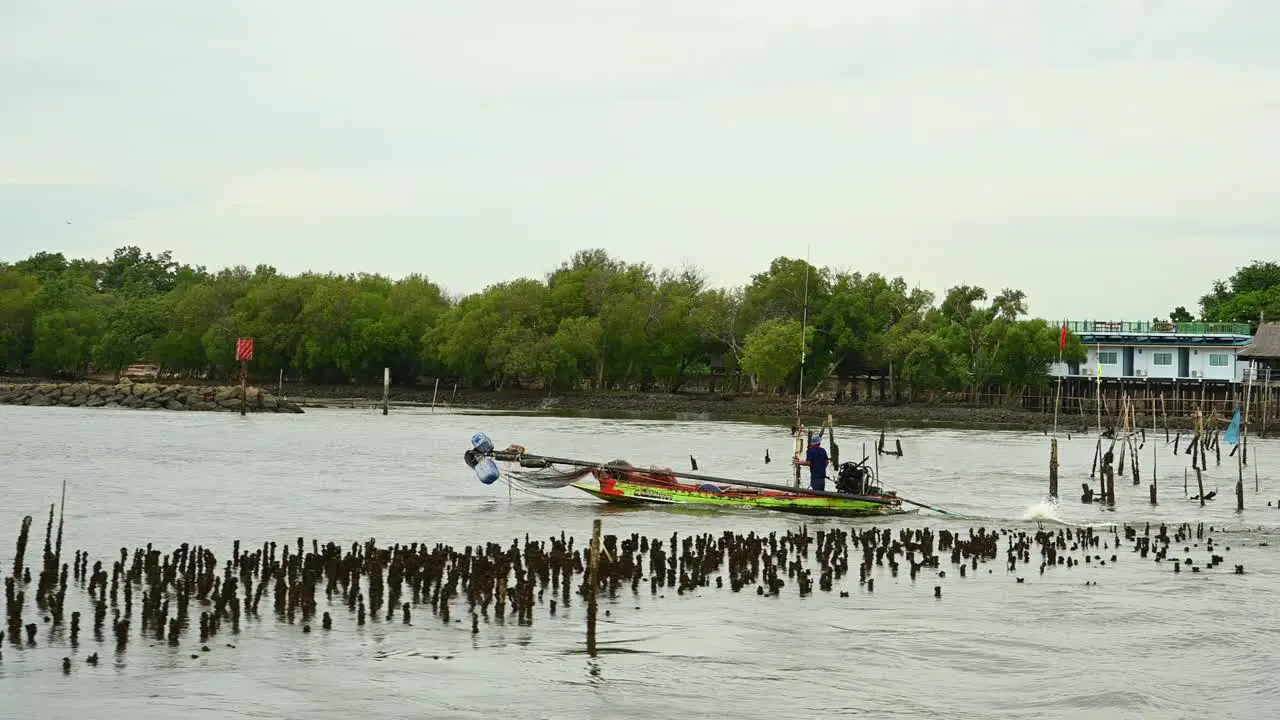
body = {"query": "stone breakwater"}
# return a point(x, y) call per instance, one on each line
point(144, 396)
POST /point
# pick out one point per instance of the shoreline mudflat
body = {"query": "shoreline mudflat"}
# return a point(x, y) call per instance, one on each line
point(620, 404)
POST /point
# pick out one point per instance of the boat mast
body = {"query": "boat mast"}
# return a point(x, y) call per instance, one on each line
point(801, 438)
point(804, 321)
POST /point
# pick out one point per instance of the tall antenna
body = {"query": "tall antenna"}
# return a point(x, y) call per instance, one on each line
point(804, 321)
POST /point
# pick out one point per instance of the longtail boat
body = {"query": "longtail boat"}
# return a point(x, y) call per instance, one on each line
point(639, 487)
point(621, 483)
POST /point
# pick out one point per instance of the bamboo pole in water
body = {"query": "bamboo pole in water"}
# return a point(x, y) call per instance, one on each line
point(1266, 401)
point(1244, 426)
point(1165, 417)
point(1122, 431)
point(1242, 458)
point(1053, 444)
point(1155, 475)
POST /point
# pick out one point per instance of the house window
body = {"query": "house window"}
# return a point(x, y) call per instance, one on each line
point(1107, 357)
point(1218, 360)
point(1162, 358)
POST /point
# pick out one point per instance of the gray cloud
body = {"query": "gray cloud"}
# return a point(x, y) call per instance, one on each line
point(1107, 157)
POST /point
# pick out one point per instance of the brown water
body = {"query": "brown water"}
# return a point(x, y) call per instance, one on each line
point(1142, 642)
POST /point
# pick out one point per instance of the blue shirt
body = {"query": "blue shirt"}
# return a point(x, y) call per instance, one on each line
point(817, 459)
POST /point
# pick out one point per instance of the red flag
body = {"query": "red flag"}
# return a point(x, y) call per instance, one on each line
point(1062, 338)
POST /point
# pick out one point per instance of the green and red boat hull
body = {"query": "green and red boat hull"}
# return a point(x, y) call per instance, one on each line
point(655, 488)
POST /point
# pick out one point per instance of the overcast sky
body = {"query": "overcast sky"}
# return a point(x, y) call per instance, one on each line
point(1109, 157)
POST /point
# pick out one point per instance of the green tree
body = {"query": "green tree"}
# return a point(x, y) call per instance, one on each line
point(1249, 295)
point(860, 314)
point(17, 318)
point(772, 352)
point(130, 330)
point(131, 271)
point(1029, 348)
point(927, 363)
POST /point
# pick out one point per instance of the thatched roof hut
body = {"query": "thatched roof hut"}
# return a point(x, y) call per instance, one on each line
point(1265, 350)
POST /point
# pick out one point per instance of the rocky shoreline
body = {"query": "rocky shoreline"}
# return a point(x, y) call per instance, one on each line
point(144, 396)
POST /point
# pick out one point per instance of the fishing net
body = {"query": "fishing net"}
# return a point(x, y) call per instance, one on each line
point(547, 476)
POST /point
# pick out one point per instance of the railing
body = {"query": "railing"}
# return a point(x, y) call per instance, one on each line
point(1148, 327)
point(1264, 375)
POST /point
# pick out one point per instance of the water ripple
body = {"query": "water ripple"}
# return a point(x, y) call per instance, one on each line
point(1141, 642)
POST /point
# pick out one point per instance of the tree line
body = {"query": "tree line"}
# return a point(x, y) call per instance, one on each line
point(595, 321)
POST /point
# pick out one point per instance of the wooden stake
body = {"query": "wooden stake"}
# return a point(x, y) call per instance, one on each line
point(244, 387)
point(592, 583)
point(1155, 476)
point(433, 395)
point(1053, 468)
point(835, 449)
point(386, 389)
point(1240, 481)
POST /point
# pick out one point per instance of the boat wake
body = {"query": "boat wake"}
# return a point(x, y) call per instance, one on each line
point(1046, 511)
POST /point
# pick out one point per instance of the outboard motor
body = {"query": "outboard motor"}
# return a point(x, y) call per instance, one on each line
point(852, 479)
point(856, 479)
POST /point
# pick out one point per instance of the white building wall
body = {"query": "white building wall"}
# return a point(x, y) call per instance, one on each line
point(1201, 362)
point(1091, 367)
point(1144, 362)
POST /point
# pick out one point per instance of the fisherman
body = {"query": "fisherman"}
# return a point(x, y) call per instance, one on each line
point(816, 460)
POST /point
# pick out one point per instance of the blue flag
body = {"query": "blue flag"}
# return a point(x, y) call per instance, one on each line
point(1233, 430)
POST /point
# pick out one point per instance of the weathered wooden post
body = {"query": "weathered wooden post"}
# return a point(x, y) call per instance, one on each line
point(835, 449)
point(1239, 482)
point(1109, 481)
point(386, 388)
point(433, 395)
point(1053, 468)
point(244, 353)
point(593, 577)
